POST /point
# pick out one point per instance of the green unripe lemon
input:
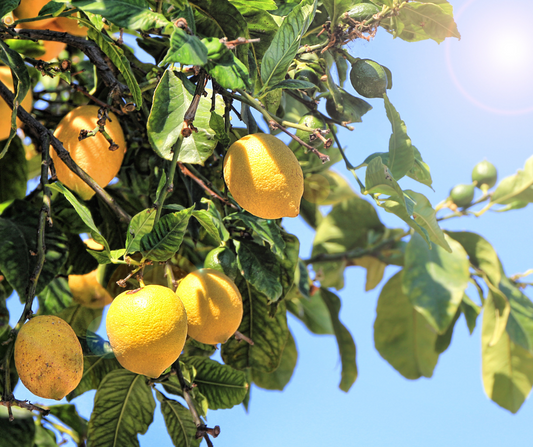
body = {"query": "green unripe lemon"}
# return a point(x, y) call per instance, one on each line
point(462, 195)
point(369, 79)
point(313, 122)
point(362, 11)
point(484, 173)
point(223, 260)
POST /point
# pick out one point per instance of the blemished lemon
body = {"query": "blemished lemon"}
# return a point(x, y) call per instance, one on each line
point(91, 154)
point(264, 176)
point(213, 304)
point(147, 329)
point(5, 110)
point(48, 357)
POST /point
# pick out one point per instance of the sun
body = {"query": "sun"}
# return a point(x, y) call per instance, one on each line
point(492, 65)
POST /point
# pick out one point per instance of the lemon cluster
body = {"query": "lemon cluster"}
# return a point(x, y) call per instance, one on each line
point(148, 327)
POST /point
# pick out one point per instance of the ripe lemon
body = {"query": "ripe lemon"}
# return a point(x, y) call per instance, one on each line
point(147, 329)
point(48, 357)
point(71, 26)
point(213, 303)
point(29, 9)
point(91, 154)
point(264, 176)
point(5, 110)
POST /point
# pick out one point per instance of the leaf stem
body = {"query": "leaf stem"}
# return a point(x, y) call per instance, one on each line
point(169, 184)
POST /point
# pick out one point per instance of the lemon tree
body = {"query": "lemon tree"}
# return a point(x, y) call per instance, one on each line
point(194, 155)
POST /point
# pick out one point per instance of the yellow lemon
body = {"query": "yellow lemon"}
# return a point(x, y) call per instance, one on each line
point(213, 303)
point(91, 154)
point(29, 9)
point(71, 26)
point(5, 110)
point(147, 329)
point(264, 176)
point(48, 357)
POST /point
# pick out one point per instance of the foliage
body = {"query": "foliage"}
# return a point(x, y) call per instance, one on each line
point(220, 70)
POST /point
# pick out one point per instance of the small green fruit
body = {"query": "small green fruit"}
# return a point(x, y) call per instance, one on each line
point(369, 79)
point(362, 11)
point(484, 173)
point(313, 122)
point(462, 195)
point(223, 260)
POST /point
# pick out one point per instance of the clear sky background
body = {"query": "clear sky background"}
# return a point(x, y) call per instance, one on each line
point(462, 101)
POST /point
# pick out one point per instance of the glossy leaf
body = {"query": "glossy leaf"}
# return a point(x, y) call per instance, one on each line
point(123, 407)
point(172, 98)
point(269, 334)
point(259, 266)
point(286, 42)
point(185, 49)
point(223, 386)
point(95, 369)
point(336, 8)
point(141, 224)
point(14, 171)
point(129, 14)
point(278, 379)
point(402, 336)
point(55, 297)
point(435, 280)
point(345, 341)
point(119, 59)
point(507, 368)
point(166, 237)
point(179, 422)
point(401, 153)
point(226, 69)
point(379, 179)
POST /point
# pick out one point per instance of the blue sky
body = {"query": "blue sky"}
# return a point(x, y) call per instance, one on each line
point(462, 101)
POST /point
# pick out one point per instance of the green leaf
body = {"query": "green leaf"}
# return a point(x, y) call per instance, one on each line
point(420, 21)
point(22, 83)
point(14, 256)
point(185, 49)
point(172, 98)
point(9, 5)
point(68, 414)
point(291, 84)
point(401, 153)
point(211, 220)
point(206, 221)
point(117, 56)
point(344, 341)
point(55, 297)
point(123, 407)
point(471, 311)
point(44, 437)
point(269, 334)
point(515, 187)
point(21, 431)
point(14, 171)
point(336, 8)
point(402, 336)
point(81, 318)
point(266, 5)
point(95, 369)
point(286, 42)
point(83, 212)
point(52, 7)
point(217, 123)
point(278, 379)
point(223, 386)
point(228, 71)
point(520, 322)
point(141, 224)
point(267, 230)
point(435, 280)
point(443, 340)
point(260, 267)
point(179, 422)
point(166, 237)
point(420, 170)
point(313, 312)
point(481, 254)
point(172, 385)
point(379, 179)
point(507, 368)
point(128, 14)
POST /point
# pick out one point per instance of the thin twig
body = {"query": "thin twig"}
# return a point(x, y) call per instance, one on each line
point(101, 103)
point(240, 336)
point(24, 404)
point(323, 158)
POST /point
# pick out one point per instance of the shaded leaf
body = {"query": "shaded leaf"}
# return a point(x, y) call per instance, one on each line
point(141, 224)
point(507, 368)
point(435, 280)
point(14, 256)
point(20, 431)
point(278, 379)
point(401, 153)
point(95, 369)
point(374, 270)
point(336, 8)
point(402, 336)
point(344, 341)
point(55, 297)
point(471, 311)
point(443, 340)
point(178, 420)
point(185, 49)
point(14, 171)
point(420, 170)
point(520, 323)
point(68, 414)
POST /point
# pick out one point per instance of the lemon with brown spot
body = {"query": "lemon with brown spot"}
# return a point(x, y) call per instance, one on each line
point(147, 329)
point(48, 357)
point(92, 154)
point(264, 176)
point(213, 303)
